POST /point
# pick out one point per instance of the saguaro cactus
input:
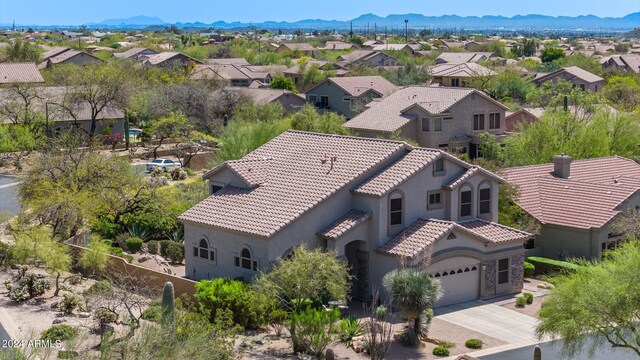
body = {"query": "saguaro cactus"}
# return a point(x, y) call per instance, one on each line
point(168, 305)
point(537, 353)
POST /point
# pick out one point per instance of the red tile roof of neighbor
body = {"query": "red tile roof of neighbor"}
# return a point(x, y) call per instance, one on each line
point(590, 198)
point(20, 73)
point(347, 222)
point(300, 176)
point(422, 234)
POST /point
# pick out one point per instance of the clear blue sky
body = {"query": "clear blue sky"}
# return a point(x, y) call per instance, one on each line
point(71, 12)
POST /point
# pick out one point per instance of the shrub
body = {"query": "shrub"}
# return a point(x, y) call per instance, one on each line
point(153, 313)
point(164, 245)
point(105, 316)
point(175, 252)
point(529, 269)
point(278, 318)
point(116, 251)
point(134, 244)
point(446, 344)
point(139, 231)
point(71, 302)
point(28, 287)
point(313, 329)
point(381, 312)
point(178, 174)
point(102, 287)
point(440, 351)
point(350, 328)
point(152, 247)
point(529, 297)
point(545, 265)
point(473, 344)
point(250, 309)
point(521, 301)
point(59, 333)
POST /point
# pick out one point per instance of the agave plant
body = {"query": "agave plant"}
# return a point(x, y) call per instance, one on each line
point(139, 231)
point(176, 235)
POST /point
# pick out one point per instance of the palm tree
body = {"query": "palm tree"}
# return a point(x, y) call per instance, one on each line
point(414, 292)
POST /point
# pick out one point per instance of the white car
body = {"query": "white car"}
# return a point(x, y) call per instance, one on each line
point(164, 164)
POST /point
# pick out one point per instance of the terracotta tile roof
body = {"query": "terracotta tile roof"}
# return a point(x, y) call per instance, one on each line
point(53, 52)
point(389, 114)
point(225, 72)
point(159, 58)
point(131, 52)
point(422, 234)
point(299, 47)
point(469, 173)
point(359, 85)
point(231, 61)
point(589, 198)
point(20, 73)
point(460, 70)
point(575, 72)
point(301, 175)
point(396, 173)
point(253, 171)
point(265, 95)
point(344, 224)
point(68, 55)
point(463, 57)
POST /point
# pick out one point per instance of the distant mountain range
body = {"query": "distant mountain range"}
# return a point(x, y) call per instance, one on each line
point(397, 22)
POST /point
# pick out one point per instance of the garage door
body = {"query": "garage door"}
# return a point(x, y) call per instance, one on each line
point(459, 278)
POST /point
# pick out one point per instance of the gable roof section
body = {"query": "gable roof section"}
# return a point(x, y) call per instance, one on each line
point(53, 52)
point(462, 57)
point(423, 234)
point(359, 85)
point(588, 199)
point(159, 58)
point(344, 224)
point(460, 70)
point(301, 175)
point(389, 114)
point(473, 170)
point(11, 73)
point(252, 171)
point(575, 71)
point(132, 52)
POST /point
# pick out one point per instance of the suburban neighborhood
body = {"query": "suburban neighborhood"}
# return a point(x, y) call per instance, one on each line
point(403, 187)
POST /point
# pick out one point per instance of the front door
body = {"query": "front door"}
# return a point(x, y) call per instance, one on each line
point(359, 270)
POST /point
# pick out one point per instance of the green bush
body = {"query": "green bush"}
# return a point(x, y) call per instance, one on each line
point(59, 333)
point(175, 252)
point(152, 247)
point(473, 344)
point(102, 287)
point(116, 251)
point(521, 301)
point(529, 297)
point(105, 316)
point(313, 329)
point(446, 344)
point(250, 309)
point(134, 244)
point(529, 269)
point(440, 351)
point(70, 302)
point(153, 313)
point(164, 245)
point(545, 265)
point(350, 328)
point(28, 287)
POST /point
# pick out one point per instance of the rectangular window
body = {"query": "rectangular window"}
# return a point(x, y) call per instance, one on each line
point(435, 200)
point(465, 203)
point(438, 166)
point(478, 122)
point(437, 124)
point(425, 124)
point(395, 211)
point(455, 82)
point(312, 99)
point(212, 255)
point(494, 121)
point(485, 201)
point(237, 261)
point(530, 244)
point(246, 263)
point(324, 102)
point(215, 189)
point(195, 252)
point(204, 253)
point(503, 271)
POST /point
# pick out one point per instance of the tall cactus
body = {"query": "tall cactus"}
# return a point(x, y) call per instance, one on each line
point(168, 305)
point(537, 353)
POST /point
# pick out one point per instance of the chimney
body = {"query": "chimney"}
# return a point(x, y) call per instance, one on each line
point(562, 166)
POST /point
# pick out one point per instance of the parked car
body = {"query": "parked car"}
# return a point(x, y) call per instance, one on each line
point(164, 164)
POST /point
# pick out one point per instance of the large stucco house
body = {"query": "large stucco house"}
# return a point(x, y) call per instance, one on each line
point(378, 203)
point(447, 118)
point(578, 77)
point(576, 203)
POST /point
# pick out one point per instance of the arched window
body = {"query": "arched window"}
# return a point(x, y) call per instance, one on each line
point(396, 206)
point(245, 260)
point(465, 201)
point(203, 251)
point(484, 198)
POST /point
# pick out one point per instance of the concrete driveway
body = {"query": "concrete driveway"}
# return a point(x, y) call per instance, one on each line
point(490, 319)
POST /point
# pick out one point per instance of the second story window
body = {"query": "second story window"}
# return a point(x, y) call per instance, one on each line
point(455, 82)
point(434, 200)
point(465, 201)
point(438, 166)
point(478, 122)
point(395, 209)
point(485, 198)
point(437, 124)
point(425, 124)
point(494, 121)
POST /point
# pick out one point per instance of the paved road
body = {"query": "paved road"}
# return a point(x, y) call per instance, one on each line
point(8, 195)
point(553, 351)
point(491, 319)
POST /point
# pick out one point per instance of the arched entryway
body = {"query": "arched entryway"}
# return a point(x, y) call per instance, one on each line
point(358, 258)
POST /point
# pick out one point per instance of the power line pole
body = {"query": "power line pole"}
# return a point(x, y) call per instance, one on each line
point(406, 30)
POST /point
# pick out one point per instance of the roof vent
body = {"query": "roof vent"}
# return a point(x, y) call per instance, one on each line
point(562, 166)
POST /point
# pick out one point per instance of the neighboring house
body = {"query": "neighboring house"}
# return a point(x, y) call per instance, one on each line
point(338, 45)
point(622, 63)
point(296, 72)
point(135, 53)
point(379, 204)
point(168, 59)
point(578, 77)
point(290, 101)
point(463, 57)
point(371, 43)
point(451, 119)
point(70, 56)
point(303, 48)
point(236, 75)
point(230, 61)
point(348, 95)
point(57, 118)
point(458, 75)
point(51, 52)
point(527, 116)
point(366, 58)
point(576, 203)
point(408, 48)
point(18, 73)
